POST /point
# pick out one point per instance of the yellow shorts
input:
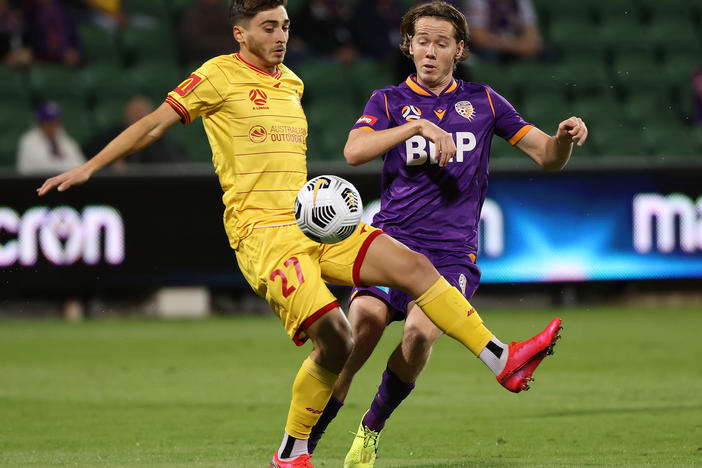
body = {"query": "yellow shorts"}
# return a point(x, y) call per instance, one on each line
point(290, 270)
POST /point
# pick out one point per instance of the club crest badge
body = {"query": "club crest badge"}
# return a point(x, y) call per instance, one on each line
point(465, 109)
point(462, 282)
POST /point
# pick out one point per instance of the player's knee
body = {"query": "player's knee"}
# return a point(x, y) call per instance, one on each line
point(368, 316)
point(337, 340)
point(416, 267)
point(333, 340)
point(418, 339)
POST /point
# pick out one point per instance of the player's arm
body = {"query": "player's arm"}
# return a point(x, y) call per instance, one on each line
point(135, 137)
point(552, 152)
point(365, 144)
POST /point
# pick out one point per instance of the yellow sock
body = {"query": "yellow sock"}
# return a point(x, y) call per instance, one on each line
point(310, 393)
point(451, 312)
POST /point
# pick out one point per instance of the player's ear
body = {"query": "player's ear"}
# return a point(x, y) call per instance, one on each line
point(459, 51)
point(238, 33)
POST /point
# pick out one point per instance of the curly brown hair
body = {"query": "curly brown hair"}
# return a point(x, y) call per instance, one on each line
point(437, 9)
point(246, 9)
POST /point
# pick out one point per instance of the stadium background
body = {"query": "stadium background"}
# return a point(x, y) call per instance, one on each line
point(624, 66)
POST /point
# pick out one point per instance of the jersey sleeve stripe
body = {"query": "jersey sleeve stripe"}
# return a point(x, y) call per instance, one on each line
point(520, 134)
point(387, 112)
point(490, 100)
point(178, 107)
point(214, 87)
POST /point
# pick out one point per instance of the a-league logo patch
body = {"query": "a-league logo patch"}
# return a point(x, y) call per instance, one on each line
point(462, 282)
point(411, 113)
point(258, 97)
point(465, 109)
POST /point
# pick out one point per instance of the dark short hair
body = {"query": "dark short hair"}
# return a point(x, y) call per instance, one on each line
point(246, 9)
point(437, 9)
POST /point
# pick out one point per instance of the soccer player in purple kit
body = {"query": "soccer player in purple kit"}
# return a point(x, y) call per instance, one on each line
point(434, 134)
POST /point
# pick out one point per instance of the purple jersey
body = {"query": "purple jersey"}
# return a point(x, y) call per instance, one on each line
point(423, 204)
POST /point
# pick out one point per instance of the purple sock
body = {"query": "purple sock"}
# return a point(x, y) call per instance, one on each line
point(329, 413)
point(390, 394)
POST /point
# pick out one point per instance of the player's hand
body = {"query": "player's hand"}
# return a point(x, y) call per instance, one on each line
point(443, 142)
point(572, 130)
point(63, 181)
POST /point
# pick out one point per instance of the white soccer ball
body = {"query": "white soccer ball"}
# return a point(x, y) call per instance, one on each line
point(328, 209)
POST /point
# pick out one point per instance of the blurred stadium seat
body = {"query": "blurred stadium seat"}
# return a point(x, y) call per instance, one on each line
point(584, 76)
point(575, 35)
point(329, 125)
point(108, 113)
point(655, 9)
point(638, 72)
point(673, 34)
point(107, 80)
point(193, 137)
point(55, 82)
point(158, 42)
point(619, 140)
point(14, 84)
point(500, 148)
point(325, 79)
point(622, 65)
point(99, 45)
point(545, 109)
point(368, 75)
point(668, 139)
point(155, 79)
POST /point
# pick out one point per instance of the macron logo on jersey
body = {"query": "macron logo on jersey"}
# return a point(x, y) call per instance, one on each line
point(367, 119)
point(188, 85)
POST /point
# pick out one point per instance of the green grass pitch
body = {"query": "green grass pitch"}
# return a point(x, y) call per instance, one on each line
point(624, 388)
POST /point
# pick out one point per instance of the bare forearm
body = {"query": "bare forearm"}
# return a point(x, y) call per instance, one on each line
point(365, 145)
point(549, 152)
point(556, 154)
point(135, 137)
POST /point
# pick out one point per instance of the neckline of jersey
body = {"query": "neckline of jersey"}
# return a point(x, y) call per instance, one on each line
point(275, 75)
point(414, 85)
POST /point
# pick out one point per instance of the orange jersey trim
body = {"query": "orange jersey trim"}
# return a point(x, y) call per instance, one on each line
point(415, 87)
point(452, 87)
point(490, 100)
point(520, 134)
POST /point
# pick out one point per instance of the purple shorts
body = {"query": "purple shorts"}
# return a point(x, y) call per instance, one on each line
point(459, 270)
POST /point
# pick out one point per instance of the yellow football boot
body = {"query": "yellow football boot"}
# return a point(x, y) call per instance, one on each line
point(363, 449)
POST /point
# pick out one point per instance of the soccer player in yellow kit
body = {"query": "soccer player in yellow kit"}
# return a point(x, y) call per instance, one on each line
point(250, 107)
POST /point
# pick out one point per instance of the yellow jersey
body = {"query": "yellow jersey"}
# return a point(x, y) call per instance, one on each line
point(258, 134)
